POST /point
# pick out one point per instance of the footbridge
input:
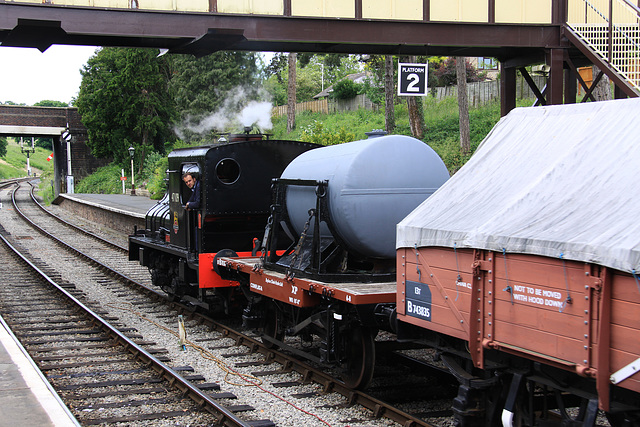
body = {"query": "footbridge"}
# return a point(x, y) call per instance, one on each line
point(563, 34)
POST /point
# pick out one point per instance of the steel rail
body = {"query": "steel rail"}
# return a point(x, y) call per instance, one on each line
point(202, 400)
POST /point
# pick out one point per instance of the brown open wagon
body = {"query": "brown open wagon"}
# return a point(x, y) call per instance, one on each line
point(525, 261)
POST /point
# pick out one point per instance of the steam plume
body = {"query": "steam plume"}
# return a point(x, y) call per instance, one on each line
point(236, 112)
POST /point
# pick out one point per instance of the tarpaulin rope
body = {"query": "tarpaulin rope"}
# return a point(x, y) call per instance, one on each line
point(635, 276)
point(568, 300)
point(459, 278)
point(506, 273)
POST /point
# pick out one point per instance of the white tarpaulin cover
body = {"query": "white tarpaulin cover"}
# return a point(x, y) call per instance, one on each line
point(558, 181)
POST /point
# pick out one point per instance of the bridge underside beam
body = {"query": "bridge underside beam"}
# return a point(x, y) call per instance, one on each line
point(9, 130)
point(40, 26)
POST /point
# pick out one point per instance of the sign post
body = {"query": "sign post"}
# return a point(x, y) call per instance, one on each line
point(123, 179)
point(412, 79)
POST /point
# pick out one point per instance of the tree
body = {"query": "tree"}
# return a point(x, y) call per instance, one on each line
point(416, 115)
point(211, 92)
point(291, 91)
point(463, 105)
point(203, 85)
point(389, 94)
point(445, 72)
point(3, 146)
point(602, 91)
point(124, 101)
point(50, 103)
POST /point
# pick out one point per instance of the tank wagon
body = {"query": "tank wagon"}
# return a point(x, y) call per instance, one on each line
point(337, 207)
point(179, 245)
point(522, 270)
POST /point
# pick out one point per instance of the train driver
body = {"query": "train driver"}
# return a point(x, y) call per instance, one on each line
point(194, 185)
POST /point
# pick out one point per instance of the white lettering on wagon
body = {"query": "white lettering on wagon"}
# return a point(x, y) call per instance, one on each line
point(295, 301)
point(255, 286)
point(273, 282)
point(531, 295)
point(417, 310)
point(463, 285)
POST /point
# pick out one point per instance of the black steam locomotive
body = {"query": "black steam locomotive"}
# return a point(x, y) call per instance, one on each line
point(179, 245)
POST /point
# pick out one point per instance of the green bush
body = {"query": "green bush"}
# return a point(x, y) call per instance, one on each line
point(105, 180)
point(157, 184)
point(345, 89)
point(317, 134)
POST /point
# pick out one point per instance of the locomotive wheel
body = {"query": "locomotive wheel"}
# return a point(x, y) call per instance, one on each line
point(360, 355)
point(272, 326)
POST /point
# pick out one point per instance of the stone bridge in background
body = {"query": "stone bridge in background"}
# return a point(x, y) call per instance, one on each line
point(50, 122)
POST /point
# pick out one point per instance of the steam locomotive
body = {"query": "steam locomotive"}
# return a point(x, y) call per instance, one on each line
point(179, 245)
point(525, 290)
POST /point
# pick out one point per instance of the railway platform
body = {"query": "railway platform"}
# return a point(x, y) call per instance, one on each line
point(118, 211)
point(26, 398)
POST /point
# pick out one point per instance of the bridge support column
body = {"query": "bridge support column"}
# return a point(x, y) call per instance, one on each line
point(555, 61)
point(570, 86)
point(507, 89)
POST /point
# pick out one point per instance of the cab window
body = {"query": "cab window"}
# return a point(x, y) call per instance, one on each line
point(194, 170)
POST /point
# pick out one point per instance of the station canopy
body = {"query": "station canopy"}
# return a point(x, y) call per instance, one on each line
point(557, 181)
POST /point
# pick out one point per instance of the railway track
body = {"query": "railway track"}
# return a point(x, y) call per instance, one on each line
point(91, 363)
point(275, 378)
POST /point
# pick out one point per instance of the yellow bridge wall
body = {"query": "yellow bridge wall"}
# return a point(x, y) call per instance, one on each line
point(506, 11)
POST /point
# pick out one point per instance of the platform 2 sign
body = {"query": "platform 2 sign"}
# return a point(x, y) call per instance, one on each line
point(412, 79)
point(418, 297)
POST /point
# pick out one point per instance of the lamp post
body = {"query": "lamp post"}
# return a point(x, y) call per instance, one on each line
point(133, 182)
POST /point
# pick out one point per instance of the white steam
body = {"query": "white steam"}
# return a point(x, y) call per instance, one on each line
point(258, 113)
point(236, 113)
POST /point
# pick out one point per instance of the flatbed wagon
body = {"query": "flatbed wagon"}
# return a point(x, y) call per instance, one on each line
point(304, 292)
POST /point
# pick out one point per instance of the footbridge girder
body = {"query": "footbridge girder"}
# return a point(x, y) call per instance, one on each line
point(563, 34)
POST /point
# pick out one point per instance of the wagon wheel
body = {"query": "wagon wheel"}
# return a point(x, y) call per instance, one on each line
point(272, 325)
point(360, 357)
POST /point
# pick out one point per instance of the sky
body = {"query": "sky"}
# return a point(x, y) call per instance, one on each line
point(28, 75)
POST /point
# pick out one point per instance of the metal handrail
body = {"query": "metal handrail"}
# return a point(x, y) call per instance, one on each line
point(617, 43)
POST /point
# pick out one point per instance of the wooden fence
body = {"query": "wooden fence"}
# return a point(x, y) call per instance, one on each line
point(481, 93)
point(316, 106)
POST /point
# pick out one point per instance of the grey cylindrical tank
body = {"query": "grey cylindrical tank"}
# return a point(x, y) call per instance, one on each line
point(373, 184)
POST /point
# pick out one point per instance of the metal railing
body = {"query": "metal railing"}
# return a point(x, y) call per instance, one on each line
point(611, 28)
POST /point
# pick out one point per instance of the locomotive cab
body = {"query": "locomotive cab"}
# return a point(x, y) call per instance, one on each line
point(187, 236)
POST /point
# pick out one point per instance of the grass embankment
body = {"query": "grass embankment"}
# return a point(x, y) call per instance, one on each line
point(14, 165)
